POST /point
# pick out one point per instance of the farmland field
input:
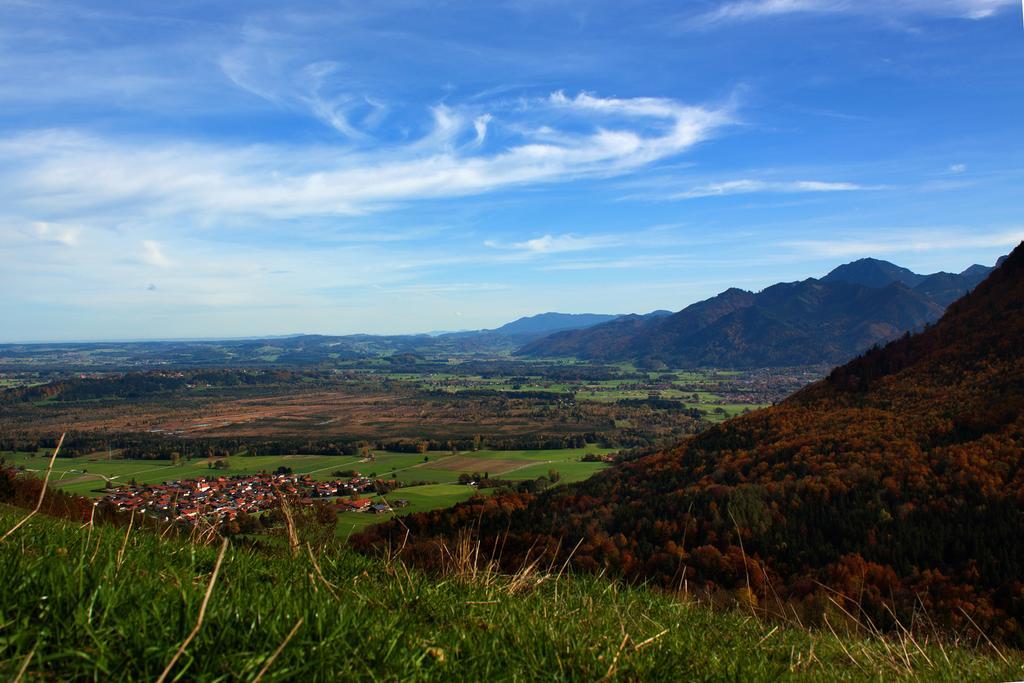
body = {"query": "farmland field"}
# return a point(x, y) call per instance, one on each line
point(87, 475)
point(419, 422)
point(497, 399)
point(421, 499)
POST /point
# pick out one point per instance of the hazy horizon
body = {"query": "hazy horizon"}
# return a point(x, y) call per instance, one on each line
point(435, 332)
point(215, 171)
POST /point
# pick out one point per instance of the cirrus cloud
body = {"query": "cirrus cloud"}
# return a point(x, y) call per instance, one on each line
point(746, 186)
point(153, 254)
point(557, 244)
point(749, 10)
point(71, 173)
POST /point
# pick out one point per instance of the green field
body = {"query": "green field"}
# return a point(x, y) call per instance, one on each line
point(100, 604)
point(408, 467)
point(421, 499)
point(85, 475)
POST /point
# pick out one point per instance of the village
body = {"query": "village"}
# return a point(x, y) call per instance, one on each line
point(224, 497)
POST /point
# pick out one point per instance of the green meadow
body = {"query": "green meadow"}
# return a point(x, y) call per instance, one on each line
point(421, 499)
point(445, 493)
point(87, 475)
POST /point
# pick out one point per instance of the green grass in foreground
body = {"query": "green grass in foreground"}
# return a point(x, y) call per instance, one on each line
point(72, 608)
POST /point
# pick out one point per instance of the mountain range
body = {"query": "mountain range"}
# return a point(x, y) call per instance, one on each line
point(897, 482)
point(814, 321)
point(300, 350)
point(534, 326)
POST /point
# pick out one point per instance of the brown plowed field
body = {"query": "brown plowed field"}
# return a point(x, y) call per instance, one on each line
point(315, 414)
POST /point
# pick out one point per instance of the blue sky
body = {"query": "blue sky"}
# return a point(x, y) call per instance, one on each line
point(198, 169)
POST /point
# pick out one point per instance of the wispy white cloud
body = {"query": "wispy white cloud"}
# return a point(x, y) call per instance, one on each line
point(746, 10)
point(557, 244)
point(351, 115)
point(153, 254)
point(480, 126)
point(748, 186)
point(66, 171)
point(623, 263)
point(906, 241)
point(958, 168)
point(749, 10)
point(48, 232)
point(446, 288)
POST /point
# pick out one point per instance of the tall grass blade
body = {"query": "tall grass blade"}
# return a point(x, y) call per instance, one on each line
point(202, 614)
point(42, 491)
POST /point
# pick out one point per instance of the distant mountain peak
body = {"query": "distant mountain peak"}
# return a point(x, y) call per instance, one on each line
point(546, 323)
point(978, 270)
point(872, 272)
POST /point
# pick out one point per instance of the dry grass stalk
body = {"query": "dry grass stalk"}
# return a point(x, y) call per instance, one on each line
point(615, 660)
point(526, 578)
point(124, 544)
point(42, 492)
point(768, 635)
point(650, 640)
point(565, 565)
point(289, 522)
point(202, 613)
point(463, 561)
point(985, 636)
point(24, 665)
point(92, 517)
point(270, 660)
point(203, 531)
point(167, 530)
point(96, 550)
point(873, 631)
point(841, 645)
point(746, 571)
point(908, 635)
point(91, 525)
point(316, 565)
point(935, 631)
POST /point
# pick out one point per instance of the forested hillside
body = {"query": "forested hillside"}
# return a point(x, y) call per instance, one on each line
point(895, 482)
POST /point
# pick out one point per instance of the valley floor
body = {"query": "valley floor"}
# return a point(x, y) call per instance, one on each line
point(88, 475)
point(110, 603)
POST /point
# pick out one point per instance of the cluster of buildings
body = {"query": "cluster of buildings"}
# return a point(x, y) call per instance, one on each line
point(224, 497)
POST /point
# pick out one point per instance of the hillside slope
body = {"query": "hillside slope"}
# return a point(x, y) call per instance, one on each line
point(897, 481)
point(102, 604)
point(945, 288)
